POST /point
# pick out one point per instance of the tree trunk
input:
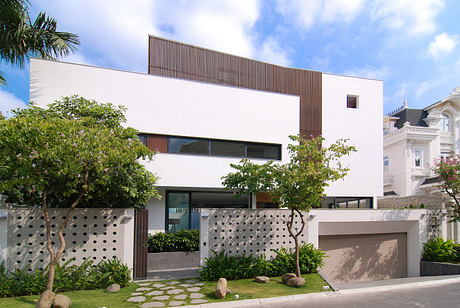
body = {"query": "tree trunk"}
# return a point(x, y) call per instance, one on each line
point(297, 261)
point(295, 236)
point(51, 273)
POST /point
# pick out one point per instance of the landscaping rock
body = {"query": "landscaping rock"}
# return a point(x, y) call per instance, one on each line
point(196, 295)
point(46, 299)
point(296, 282)
point(181, 296)
point(194, 289)
point(152, 304)
point(176, 303)
point(221, 288)
point(262, 279)
point(198, 301)
point(61, 301)
point(161, 298)
point(288, 276)
point(175, 291)
point(136, 299)
point(154, 293)
point(113, 288)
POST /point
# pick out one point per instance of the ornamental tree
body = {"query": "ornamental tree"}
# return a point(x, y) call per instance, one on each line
point(74, 154)
point(298, 184)
point(448, 170)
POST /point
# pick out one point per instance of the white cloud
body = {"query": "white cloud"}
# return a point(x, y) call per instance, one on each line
point(442, 45)
point(369, 72)
point(8, 102)
point(306, 13)
point(412, 17)
point(272, 52)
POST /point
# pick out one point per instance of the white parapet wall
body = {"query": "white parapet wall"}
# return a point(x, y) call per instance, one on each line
point(238, 231)
point(92, 234)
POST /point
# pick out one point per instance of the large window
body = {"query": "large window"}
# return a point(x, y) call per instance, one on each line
point(346, 202)
point(418, 158)
point(386, 163)
point(445, 122)
point(225, 148)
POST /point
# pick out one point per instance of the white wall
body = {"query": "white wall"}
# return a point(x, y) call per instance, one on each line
point(363, 126)
point(157, 212)
point(176, 107)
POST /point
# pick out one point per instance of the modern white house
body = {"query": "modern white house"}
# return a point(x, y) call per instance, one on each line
point(202, 110)
point(413, 139)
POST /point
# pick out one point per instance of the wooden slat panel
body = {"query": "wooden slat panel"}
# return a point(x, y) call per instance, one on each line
point(157, 143)
point(173, 59)
point(140, 239)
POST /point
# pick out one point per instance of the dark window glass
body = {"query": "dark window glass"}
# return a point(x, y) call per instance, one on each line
point(178, 211)
point(264, 151)
point(226, 148)
point(219, 200)
point(188, 145)
point(143, 138)
point(352, 101)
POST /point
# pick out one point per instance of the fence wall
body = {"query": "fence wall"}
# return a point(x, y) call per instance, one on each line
point(91, 234)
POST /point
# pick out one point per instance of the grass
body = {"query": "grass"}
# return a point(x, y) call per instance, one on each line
point(245, 288)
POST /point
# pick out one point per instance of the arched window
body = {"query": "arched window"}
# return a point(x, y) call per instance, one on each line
point(445, 125)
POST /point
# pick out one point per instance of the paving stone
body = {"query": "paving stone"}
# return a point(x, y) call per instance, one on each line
point(143, 284)
point(158, 285)
point(199, 284)
point(154, 293)
point(136, 299)
point(176, 303)
point(181, 296)
point(186, 285)
point(167, 288)
point(143, 289)
point(194, 289)
point(191, 280)
point(198, 301)
point(196, 295)
point(136, 293)
point(173, 282)
point(152, 304)
point(175, 291)
point(161, 298)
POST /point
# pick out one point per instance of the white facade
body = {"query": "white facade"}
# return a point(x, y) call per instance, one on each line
point(176, 107)
point(412, 149)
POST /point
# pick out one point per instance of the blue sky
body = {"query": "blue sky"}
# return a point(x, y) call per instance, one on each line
point(412, 45)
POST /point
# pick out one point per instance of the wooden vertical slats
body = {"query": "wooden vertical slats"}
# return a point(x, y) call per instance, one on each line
point(140, 239)
point(157, 143)
point(173, 59)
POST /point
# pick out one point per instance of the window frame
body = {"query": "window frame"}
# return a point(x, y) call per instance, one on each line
point(356, 97)
point(414, 161)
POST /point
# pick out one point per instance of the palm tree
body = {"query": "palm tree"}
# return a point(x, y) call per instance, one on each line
point(21, 38)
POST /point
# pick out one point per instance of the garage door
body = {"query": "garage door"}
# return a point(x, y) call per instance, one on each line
point(364, 257)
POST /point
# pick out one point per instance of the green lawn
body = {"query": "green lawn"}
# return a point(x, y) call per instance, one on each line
point(245, 288)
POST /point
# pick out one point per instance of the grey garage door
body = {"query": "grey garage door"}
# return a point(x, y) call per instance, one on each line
point(364, 257)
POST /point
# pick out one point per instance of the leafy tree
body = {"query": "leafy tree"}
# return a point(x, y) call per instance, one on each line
point(298, 184)
point(448, 170)
point(20, 37)
point(74, 154)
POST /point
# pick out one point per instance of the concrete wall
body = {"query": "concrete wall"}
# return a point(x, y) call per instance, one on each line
point(3, 234)
point(92, 234)
point(259, 231)
point(362, 126)
point(176, 107)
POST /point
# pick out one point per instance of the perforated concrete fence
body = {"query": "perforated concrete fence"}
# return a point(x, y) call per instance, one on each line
point(91, 234)
point(250, 231)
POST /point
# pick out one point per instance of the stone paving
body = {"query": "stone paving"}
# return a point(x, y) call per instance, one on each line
point(168, 293)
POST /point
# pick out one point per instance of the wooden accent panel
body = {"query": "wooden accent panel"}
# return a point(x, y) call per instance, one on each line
point(157, 143)
point(140, 240)
point(263, 197)
point(174, 59)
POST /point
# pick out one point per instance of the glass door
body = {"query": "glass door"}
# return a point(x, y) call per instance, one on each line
point(178, 214)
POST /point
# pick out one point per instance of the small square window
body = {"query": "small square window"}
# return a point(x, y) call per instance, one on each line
point(352, 101)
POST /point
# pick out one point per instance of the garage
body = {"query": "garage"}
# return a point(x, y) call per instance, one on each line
point(364, 257)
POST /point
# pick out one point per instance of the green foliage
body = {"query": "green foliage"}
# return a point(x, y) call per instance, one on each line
point(448, 170)
point(182, 240)
point(83, 277)
point(20, 37)
point(243, 266)
point(438, 250)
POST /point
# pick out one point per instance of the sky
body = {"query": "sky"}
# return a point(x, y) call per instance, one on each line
point(412, 45)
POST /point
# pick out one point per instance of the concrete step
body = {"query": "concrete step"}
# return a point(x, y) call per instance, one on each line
point(177, 273)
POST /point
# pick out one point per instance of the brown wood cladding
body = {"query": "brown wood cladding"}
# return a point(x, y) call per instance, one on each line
point(179, 60)
point(157, 143)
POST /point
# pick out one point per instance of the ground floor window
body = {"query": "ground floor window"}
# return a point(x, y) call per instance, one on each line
point(182, 207)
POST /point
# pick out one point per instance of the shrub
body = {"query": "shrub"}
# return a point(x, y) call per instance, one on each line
point(73, 277)
point(438, 250)
point(183, 240)
point(242, 266)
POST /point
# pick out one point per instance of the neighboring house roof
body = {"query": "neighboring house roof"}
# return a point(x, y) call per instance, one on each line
point(413, 116)
point(431, 181)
